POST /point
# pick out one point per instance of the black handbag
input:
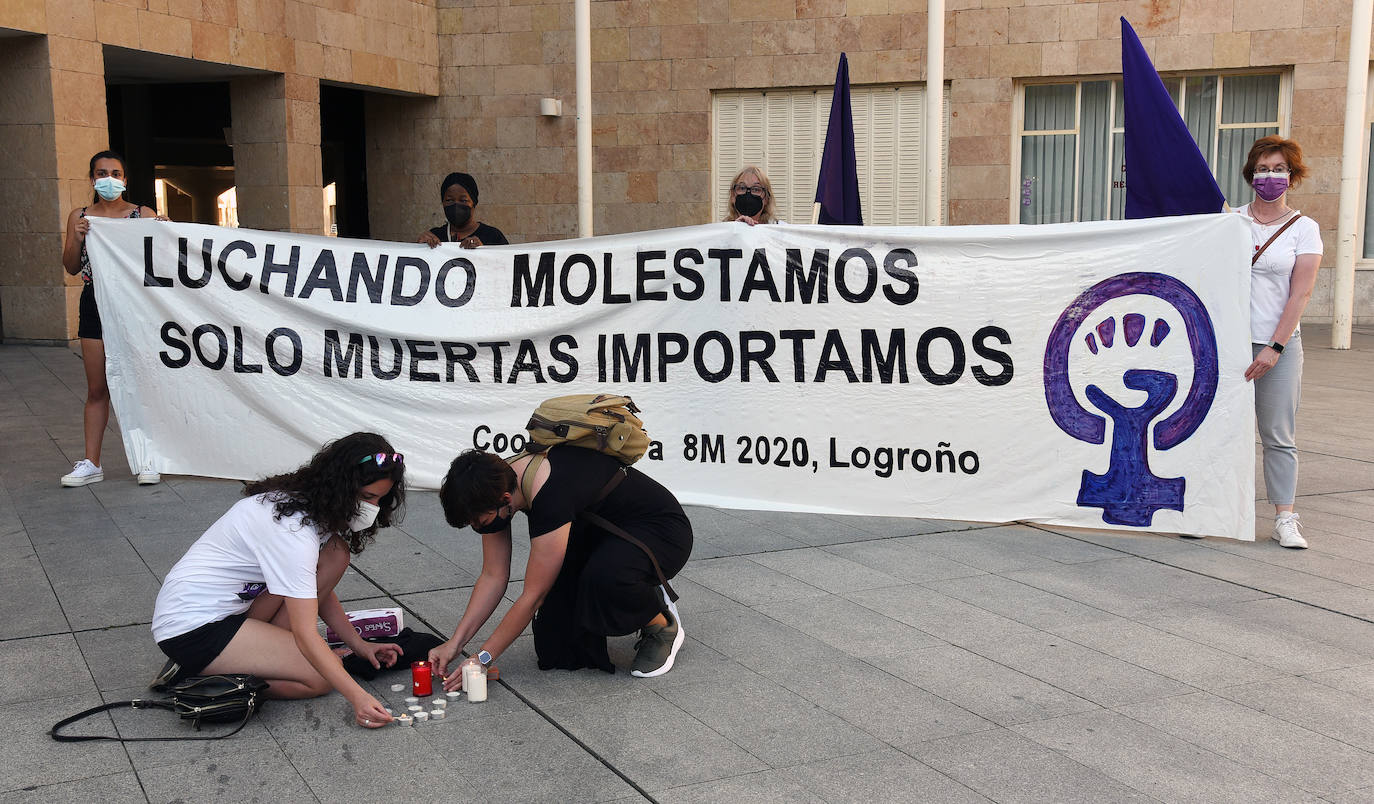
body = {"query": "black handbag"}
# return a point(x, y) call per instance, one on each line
point(223, 698)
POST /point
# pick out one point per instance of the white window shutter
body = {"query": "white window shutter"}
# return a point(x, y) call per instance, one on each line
point(880, 202)
point(803, 159)
point(778, 136)
point(725, 157)
point(911, 115)
point(783, 131)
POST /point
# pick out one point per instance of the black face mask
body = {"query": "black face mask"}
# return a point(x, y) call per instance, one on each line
point(749, 204)
point(496, 525)
point(458, 214)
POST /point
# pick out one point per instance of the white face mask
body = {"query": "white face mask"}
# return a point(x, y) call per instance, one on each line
point(109, 188)
point(367, 514)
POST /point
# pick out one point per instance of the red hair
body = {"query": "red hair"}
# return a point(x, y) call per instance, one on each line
point(1292, 154)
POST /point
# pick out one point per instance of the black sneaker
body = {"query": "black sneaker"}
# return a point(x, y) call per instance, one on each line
point(658, 644)
point(166, 677)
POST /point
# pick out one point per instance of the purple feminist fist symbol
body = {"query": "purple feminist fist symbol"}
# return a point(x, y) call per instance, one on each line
point(1129, 493)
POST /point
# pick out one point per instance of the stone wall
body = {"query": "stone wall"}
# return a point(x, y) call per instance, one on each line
point(53, 112)
point(656, 62)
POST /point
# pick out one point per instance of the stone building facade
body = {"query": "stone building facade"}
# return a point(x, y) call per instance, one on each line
point(457, 86)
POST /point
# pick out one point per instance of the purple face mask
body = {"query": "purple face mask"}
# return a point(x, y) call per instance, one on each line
point(1270, 186)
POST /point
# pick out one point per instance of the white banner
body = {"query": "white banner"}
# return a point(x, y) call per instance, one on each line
point(1079, 374)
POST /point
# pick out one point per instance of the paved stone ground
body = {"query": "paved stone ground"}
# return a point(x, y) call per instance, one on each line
point(827, 659)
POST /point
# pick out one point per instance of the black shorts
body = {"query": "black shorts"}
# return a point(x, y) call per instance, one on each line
point(88, 322)
point(194, 650)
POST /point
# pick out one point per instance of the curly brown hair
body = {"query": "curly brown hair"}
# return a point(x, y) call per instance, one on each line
point(325, 490)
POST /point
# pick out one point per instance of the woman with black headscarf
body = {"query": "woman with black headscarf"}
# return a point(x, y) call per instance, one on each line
point(458, 192)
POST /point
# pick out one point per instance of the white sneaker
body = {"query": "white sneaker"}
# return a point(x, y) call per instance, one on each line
point(1286, 532)
point(83, 473)
point(149, 478)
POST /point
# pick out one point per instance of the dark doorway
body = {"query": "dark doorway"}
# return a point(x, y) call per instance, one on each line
point(174, 138)
point(343, 158)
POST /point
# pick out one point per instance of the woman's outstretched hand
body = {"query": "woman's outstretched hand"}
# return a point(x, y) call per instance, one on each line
point(440, 658)
point(369, 713)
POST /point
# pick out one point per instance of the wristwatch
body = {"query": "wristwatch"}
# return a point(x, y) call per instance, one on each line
point(484, 657)
point(1276, 346)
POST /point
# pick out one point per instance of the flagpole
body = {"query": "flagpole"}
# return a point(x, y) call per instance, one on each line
point(1356, 88)
point(582, 33)
point(935, 111)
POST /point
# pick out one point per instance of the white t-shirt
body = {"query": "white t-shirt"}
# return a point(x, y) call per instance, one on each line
point(1271, 274)
point(244, 553)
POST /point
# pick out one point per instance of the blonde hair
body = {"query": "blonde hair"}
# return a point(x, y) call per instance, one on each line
point(767, 214)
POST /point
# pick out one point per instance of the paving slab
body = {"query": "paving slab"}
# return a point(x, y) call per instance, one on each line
point(33, 760)
point(826, 571)
point(252, 776)
point(669, 749)
point(1156, 763)
point(848, 628)
point(1172, 656)
point(42, 668)
point(767, 720)
point(1265, 643)
point(1314, 706)
point(985, 687)
point(1007, 767)
point(117, 788)
point(884, 775)
point(1313, 762)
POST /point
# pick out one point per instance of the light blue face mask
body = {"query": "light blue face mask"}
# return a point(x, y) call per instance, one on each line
point(109, 188)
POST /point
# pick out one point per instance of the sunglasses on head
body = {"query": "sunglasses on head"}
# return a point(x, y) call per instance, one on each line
point(383, 458)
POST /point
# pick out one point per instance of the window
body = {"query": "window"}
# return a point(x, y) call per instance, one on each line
point(783, 132)
point(1072, 165)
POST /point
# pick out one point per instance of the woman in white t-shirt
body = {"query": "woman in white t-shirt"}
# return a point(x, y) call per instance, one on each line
point(1281, 279)
point(246, 597)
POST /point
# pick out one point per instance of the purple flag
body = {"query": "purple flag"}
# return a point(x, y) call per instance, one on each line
point(837, 187)
point(1166, 174)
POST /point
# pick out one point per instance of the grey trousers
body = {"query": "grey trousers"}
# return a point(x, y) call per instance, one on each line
point(1276, 411)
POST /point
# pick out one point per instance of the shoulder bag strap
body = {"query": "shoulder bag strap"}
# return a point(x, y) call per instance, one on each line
point(609, 526)
point(531, 472)
point(134, 704)
point(1273, 237)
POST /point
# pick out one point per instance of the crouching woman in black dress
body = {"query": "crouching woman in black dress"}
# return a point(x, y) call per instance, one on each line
point(582, 583)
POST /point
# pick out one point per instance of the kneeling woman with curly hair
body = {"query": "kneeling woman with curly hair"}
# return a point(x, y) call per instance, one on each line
point(245, 598)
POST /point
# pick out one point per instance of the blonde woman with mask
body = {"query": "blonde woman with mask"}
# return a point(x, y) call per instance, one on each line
point(751, 198)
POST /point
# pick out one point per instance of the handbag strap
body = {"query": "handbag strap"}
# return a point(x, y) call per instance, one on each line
point(609, 526)
point(138, 703)
point(1273, 237)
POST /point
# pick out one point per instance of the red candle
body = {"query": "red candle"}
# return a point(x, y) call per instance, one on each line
point(421, 679)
